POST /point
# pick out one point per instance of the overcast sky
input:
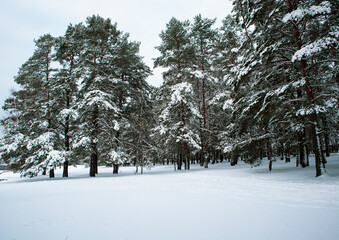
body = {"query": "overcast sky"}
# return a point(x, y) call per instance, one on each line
point(21, 21)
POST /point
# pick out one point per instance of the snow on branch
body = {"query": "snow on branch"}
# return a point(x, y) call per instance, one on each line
point(118, 157)
point(84, 141)
point(45, 140)
point(178, 91)
point(97, 97)
point(314, 48)
point(69, 113)
point(296, 15)
point(311, 109)
point(18, 139)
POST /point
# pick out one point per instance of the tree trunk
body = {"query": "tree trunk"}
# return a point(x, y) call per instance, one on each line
point(115, 168)
point(327, 149)
point(65, 172)
point(92, 164)
point(269, 154)
point(187, 163)
point(234, 159)
point(140, 150)
point(313, 117)
point(287, 156)
point(94, 154)
point(326, 136)
point(205, 143)
point(179, 161)
point(301, 146)
point(51, 173)
point(221, 157)
point(270, 165)
point(206, 160)
point(316, 149)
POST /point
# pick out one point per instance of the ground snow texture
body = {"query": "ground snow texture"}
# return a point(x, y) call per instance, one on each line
point(221, 202)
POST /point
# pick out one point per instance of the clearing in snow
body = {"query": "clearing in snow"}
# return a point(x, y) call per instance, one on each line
point(221, 202)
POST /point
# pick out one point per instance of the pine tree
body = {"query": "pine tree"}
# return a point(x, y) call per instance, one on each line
point(203, 40)
point(178, 112)
point(225, 65)
point(131, 88)
point(65, 87)
point(97, 106)
point(33, 114)
point(281, 90)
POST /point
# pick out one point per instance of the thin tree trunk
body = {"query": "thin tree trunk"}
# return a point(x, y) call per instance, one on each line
point(313, 117)
point(301, 145)
point(92, 164)
point(234, 160)
point(67, 123)
point(205, 143)
point(115, 168)
point(287, 155)
point(65, 172)
point(327, 149)
point(221, 157)
point(179, 161)
point(67, 146)
point(140, 140)
point(51, 173)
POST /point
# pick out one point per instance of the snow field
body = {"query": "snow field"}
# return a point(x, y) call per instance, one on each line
point(221, 202)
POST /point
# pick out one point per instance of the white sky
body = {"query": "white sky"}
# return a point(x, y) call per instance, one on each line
point(21, 21)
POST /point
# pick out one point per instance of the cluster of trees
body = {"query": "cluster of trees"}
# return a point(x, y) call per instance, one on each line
point(83, 98)
point(265, 84)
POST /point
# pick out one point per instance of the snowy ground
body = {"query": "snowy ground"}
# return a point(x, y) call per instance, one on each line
point(221, 202)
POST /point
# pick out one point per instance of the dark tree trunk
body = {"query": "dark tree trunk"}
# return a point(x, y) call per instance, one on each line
point(115, 168)
point(67, 146)
point(65, 172)
point(213, 159)
point(234, 160)
point(313, 117)
point(51, 173)
point(327, 148)
point(187, 163)
point(323, 158)
point(269, 154)
point(96, 164)
point(301, 144)
point(307, 156)
point(179, 161)
point(270, 165)
point(326, 136)
point(92, 164)
point(205, 143)
point(316, 149)
point(287, 156)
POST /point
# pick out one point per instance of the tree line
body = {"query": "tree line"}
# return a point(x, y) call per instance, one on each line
point(263, 85)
